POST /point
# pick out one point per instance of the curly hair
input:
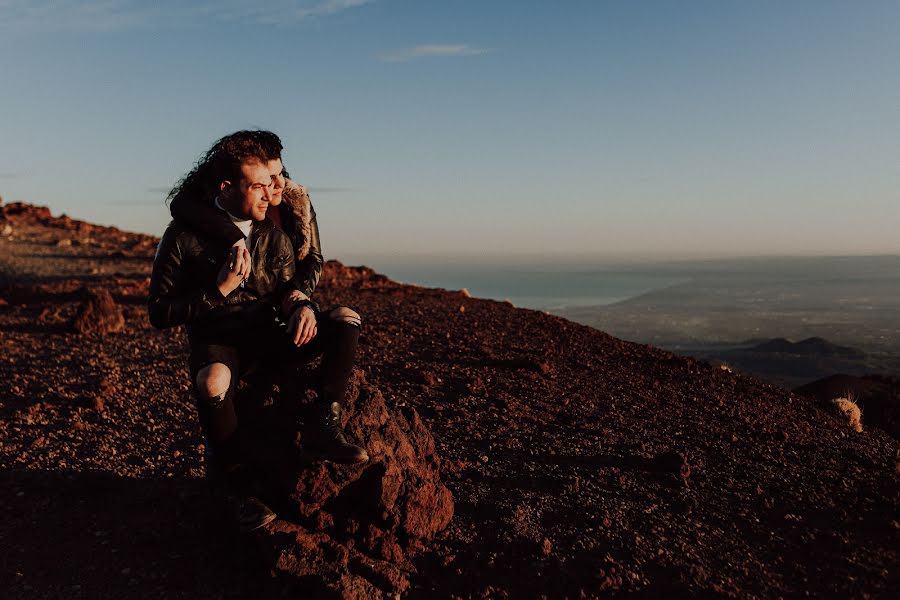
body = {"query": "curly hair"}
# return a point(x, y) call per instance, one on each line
point(223, 161)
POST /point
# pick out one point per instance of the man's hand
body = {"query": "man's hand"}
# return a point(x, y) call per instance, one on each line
point(302, 325)
point(234, 270)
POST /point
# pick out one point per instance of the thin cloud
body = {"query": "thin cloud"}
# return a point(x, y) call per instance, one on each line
point(329, 7)
point(11, 175)
point(431, 50)
point(120, 15)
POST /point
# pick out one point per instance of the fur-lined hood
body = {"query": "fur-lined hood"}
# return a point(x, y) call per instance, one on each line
point(296, 198)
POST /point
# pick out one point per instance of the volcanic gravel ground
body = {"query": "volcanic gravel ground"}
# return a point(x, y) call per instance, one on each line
point(580, 464)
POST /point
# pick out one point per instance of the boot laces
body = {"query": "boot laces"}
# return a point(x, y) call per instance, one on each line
point(332, 427)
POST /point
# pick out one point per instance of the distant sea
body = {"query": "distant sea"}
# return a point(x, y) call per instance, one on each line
point(542, 287)
point(813, 282)
point(697, 306)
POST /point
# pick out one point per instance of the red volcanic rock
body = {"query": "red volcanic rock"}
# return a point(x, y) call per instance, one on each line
point(68, 223)
point(43, 293)
point(99, 314)
point(319, 567)
point(131, 288)
point(20, 212)
point(336, 274)
point(369, 518)
point(143, 247)
point(38, 224)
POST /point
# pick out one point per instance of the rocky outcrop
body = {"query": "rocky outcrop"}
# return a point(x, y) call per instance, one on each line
point(356, 528)
point(338, 275)
point(37, 224)
point(99, 313)
point(22, 213)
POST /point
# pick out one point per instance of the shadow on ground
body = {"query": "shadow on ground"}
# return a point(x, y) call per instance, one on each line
point(99, 535)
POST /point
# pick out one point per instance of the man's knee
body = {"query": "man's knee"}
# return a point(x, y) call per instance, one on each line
point(213, 382)
point(342, 314)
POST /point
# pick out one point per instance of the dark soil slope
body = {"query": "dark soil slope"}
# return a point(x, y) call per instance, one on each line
point(580, 465)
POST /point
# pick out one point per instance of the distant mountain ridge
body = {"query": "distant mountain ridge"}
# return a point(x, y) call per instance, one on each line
point(814, 346)
point(792, 364)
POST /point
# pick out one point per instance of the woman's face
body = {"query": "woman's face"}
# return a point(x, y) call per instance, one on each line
point(276, 171)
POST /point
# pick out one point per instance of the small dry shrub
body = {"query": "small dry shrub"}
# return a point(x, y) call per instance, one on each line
point(847, 406)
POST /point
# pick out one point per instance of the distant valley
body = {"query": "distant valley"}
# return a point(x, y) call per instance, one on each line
point(790, 321)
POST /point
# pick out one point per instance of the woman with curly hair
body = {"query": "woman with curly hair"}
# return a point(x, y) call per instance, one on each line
point(232, 315)
point(193, 202)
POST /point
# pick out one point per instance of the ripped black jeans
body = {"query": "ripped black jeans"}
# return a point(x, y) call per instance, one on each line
point(268, 342)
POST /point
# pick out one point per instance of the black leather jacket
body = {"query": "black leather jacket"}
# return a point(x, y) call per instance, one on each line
point(298, 219)
point(183, 287)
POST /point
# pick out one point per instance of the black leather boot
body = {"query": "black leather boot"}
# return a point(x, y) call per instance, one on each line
point(324, 439)
point(232, 489)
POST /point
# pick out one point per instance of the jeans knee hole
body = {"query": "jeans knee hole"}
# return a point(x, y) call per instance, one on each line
point(346, 315)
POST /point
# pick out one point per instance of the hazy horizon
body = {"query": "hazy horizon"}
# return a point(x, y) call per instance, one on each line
point(539, 259)
point(619, 130)
point(509, 259)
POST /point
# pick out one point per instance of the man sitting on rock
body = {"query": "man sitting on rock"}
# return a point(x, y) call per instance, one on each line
point(234, 302)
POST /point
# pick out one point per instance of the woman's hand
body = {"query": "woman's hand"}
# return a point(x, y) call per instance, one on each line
point(242, 243)
point(231, 274)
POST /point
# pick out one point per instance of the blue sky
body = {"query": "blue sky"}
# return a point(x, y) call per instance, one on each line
point(427, 128)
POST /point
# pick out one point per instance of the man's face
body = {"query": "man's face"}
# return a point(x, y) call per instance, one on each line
point(276, 172)
point(251, 197)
